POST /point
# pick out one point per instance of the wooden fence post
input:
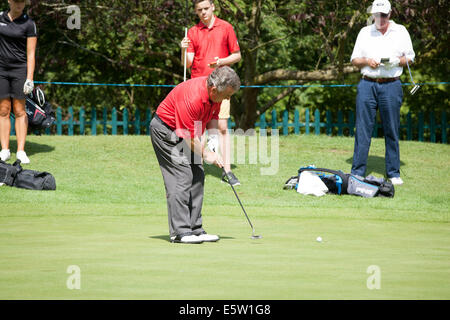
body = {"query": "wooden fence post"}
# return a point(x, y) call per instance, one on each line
point(296, 122)
point(285, 122)
point(70, 131)
point(351, 123)
point(148, 118)
point(274, 120)
point(137, 122)
point(58, 121)
point(94, 121)
point(340, 123)
point(317, 122)
point(82, 121)
point(105, 121)
point(329, 124)
point(114, 121)
point(125, 122)
point(307, 121)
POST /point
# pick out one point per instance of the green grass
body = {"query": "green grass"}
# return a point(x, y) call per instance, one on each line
point(108, 216)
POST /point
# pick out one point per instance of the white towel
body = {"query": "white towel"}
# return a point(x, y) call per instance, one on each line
point(310, 184)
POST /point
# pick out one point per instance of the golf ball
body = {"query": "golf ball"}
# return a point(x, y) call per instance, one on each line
point(319, 239)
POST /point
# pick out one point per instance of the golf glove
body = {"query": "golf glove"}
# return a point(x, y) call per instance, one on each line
point(28, 86)
point(213, 142)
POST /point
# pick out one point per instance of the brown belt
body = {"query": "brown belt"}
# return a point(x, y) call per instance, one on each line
point(381, 80)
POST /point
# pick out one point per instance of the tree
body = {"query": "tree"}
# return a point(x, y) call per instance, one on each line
point(283, 42)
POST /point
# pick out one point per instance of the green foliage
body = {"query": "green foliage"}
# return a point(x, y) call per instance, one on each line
point(137, 42)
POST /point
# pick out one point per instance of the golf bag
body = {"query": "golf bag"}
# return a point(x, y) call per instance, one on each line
point(336, 181)
point(40, 113)
point(15, 176)
point(340, 183)
point(7, 173)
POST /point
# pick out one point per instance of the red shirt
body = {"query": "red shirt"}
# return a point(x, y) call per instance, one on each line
point(187, 108)
point(208, 43)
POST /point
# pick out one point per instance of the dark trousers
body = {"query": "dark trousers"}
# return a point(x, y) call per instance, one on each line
point(183, 177)
point(387, 98)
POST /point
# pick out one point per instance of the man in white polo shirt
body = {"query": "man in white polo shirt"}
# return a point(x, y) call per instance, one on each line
point(380, 51)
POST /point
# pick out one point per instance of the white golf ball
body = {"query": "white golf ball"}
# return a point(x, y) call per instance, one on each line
point(319, 239)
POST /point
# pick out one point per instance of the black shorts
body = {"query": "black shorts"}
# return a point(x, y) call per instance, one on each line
point(12, 80)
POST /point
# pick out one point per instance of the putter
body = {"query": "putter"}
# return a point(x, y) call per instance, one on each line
point(251, 225)
point(416, 86)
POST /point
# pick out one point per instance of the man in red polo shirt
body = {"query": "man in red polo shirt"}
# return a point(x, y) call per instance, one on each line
point(210, 44)
point(176, 132)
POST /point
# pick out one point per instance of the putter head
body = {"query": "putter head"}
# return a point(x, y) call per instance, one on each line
point(414, 89)
point(254, 236)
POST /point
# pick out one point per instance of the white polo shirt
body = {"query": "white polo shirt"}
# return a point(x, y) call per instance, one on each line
point(371, 43)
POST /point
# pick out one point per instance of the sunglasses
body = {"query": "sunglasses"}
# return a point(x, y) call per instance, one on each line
point(382, 15)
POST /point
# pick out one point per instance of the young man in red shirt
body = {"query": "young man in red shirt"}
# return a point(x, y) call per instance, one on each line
point(210, 44)
point(176, 133)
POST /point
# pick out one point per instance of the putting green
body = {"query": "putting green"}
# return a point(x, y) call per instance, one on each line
point(130, 257)
point(108, 218)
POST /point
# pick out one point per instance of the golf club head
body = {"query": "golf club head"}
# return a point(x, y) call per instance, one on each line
point(254, 236)
point(414, 89)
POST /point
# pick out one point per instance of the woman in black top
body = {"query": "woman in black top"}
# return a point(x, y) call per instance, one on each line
point(18, 38)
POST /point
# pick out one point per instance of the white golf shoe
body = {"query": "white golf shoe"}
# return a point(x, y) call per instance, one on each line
point(185, 239)
point(5, 155)
point(22, 156)
point(396, 181)
point(205, 237)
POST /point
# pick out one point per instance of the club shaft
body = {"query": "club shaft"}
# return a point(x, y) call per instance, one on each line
point(251, 225)
point(239, 200)
point(410, 75)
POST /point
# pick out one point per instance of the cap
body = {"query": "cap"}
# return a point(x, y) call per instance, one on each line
point(383, 6)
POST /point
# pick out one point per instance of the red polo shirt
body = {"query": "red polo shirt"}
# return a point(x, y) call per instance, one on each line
point(187, 108)
point(207, 43)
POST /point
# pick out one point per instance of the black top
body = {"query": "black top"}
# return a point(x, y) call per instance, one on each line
point(13, 39)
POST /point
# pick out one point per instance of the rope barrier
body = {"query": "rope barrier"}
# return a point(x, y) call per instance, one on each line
point(255, 86)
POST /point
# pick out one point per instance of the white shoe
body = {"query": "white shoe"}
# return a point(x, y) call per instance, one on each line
point(186, 239)
point(5, 154)
point(22, 156)
point(208, 237)
point(396, 181)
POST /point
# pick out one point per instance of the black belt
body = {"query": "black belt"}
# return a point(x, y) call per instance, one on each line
point(162, 122)
point(381, 80)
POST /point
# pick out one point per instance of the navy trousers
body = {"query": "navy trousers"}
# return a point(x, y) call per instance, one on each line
point(387, 98)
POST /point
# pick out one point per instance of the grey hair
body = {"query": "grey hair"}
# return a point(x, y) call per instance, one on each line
point(224, 77)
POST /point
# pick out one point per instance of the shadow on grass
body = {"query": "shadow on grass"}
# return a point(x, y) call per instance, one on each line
point(375, 165)
point(167, 238)
point(31, 147)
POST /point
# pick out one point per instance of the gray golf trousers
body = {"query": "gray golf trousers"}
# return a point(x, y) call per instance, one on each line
point(183, 177)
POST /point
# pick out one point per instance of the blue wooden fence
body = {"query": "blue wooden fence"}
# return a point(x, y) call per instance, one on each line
point(88, 123)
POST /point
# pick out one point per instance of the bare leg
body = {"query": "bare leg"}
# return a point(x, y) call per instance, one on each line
point(21, 123)
point(5, 122)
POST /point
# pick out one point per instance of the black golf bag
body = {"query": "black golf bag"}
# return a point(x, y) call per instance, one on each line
point(40, 113)
point(14, 175)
